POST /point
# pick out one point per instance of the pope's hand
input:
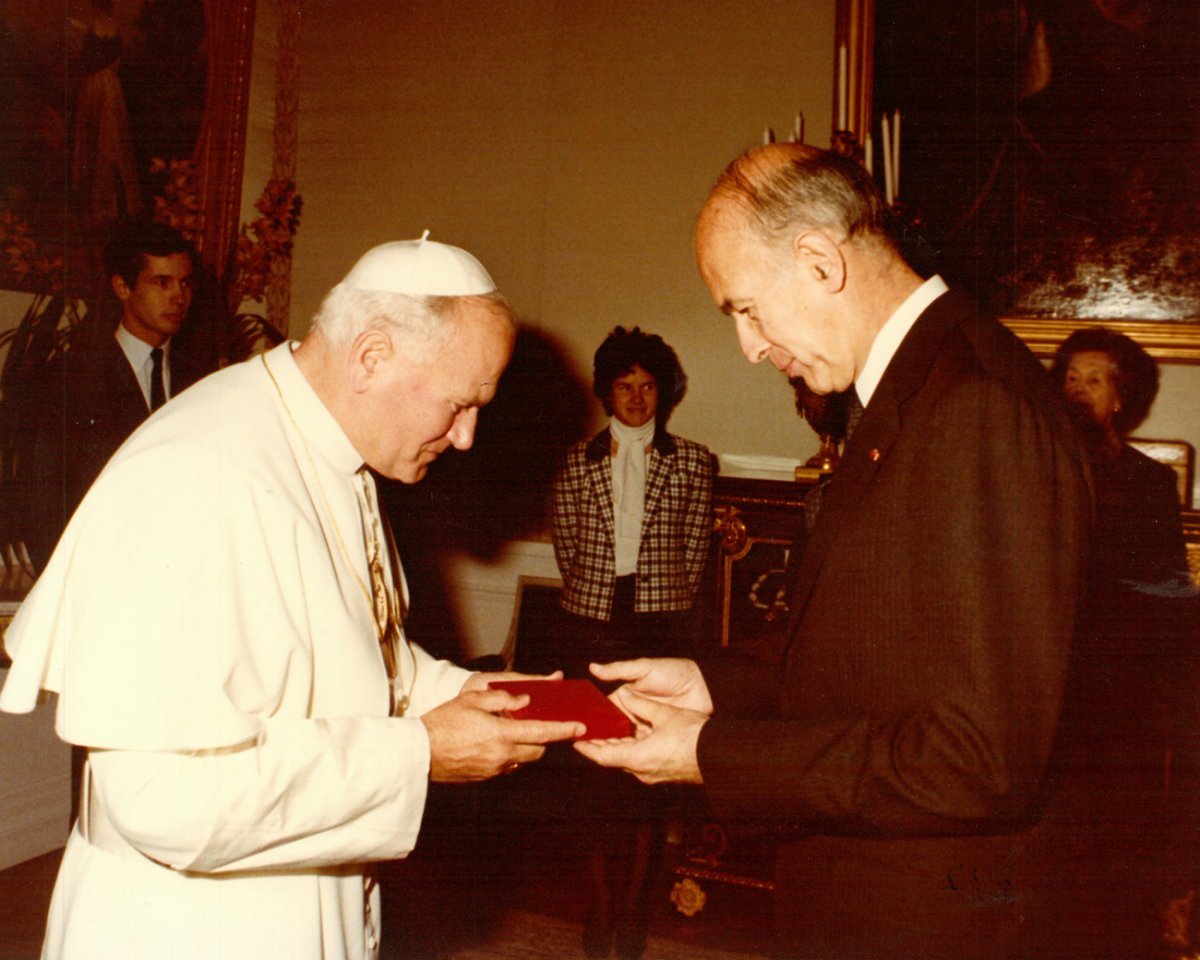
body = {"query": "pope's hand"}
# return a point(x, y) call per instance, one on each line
point(468, 740)
point(668, 680)
point(664, 750)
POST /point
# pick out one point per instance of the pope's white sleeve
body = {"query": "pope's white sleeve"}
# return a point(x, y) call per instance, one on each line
point(435, 681)
point(307, 794)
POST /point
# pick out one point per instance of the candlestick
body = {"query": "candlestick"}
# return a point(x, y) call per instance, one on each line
point(887, 159)
point(841, 100)
point(868, 158)
point(798, 129)
point(896, 156)
point(768, 135)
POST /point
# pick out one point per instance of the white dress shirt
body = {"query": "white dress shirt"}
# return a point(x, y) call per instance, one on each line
point(138, 353)
point(891, 335)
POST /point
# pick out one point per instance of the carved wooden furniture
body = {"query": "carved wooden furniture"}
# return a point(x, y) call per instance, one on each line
point(755, 522)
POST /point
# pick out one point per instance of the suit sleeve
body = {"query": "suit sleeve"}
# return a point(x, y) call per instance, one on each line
point(45, 468)
point(953, 615)
point(567, 492)
point(698, 520)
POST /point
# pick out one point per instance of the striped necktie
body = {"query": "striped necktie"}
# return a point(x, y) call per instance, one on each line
point(812, 500)
point(854, 412)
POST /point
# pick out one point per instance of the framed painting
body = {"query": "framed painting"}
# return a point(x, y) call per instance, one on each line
point(1049, 156)
point(108, 105)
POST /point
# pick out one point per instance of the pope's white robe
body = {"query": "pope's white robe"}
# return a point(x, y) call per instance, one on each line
point(204, 625)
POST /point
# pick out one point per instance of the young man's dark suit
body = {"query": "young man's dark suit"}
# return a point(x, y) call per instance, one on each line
point(912, 708)
point(93, 403)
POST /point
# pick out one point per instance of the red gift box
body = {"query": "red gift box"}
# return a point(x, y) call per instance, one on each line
point(569, 700)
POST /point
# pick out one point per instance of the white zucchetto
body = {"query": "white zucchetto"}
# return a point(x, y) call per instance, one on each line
point(420, 268)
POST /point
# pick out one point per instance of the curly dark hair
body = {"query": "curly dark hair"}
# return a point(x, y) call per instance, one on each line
point(1135, 373)
point(621, 351)
point(135, 240)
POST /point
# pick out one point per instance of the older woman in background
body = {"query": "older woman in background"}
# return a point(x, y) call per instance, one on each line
point(1132, 724)
point(1111, 383)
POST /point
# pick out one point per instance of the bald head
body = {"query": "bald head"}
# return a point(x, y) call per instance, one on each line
point(781, 188)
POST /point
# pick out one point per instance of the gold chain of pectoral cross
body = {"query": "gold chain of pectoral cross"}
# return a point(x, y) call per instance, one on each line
point(383, 601)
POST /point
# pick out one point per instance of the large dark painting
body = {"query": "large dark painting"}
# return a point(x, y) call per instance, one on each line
point(1051, 150)
point(98, 100)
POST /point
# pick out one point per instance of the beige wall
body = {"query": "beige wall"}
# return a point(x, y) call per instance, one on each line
point(568, 144)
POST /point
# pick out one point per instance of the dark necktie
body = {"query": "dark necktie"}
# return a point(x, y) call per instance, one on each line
point(812, 500)
point(158, 393)
point(854, 412)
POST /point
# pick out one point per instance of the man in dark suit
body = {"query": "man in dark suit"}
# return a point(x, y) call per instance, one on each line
point(897, 735)
point(109, 380)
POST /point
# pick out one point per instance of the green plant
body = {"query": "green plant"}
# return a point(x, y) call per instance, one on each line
point(25, 380)
point(23, 264)
point(263, 249)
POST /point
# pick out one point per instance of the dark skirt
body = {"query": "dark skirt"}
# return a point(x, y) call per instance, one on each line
point(626, 636)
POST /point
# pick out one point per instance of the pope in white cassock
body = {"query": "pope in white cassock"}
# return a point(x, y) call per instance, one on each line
point(222, 623)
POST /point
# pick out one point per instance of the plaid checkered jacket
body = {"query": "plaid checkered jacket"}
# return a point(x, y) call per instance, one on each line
point(676, 526)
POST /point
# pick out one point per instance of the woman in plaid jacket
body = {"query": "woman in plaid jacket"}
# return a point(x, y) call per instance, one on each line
point(632, 524)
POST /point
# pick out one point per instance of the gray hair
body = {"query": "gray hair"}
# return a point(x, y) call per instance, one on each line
point(782, 187)
point(420, 321)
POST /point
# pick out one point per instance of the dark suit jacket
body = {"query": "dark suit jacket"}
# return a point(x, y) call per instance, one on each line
point(914, 701)
point(91, 405)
